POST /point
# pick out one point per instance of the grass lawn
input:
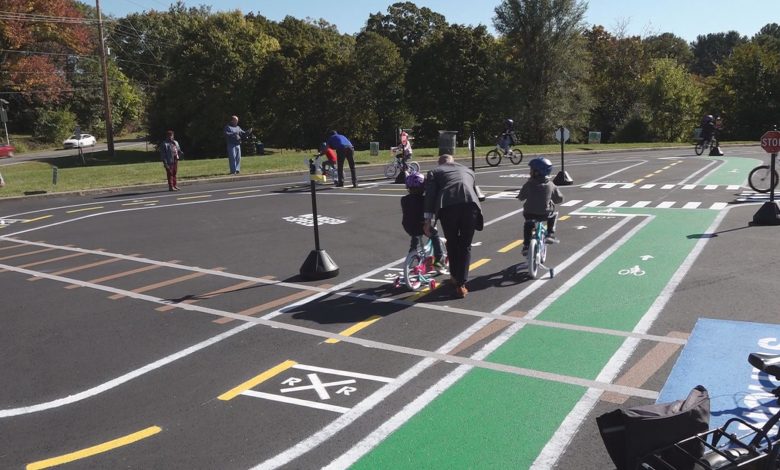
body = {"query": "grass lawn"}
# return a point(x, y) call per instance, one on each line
point(140, 167)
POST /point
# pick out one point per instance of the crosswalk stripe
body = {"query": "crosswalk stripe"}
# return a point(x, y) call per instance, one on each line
point(711, 186)
point(617, 203)
point(666, 204)
point(589, 185)
point(718, 205)
point(689, 186)
point(642, 204)
point(609, 185)
point(691, 205)
point(573, 202)
point(647, 186)
point(593, 203)
point(627, 186)
point(668, 186)
point(733, 187)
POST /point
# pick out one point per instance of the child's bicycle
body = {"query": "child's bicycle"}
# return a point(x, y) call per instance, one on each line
point(494, 156)
point(323, 169)
point(400, 163)
point(702, 145)
point(419, 269)
point(537, 250)
point(756, 449)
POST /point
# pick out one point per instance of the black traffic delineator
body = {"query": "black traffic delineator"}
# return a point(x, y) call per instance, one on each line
point(563, 179)
point(769, 213)
point(318, 265)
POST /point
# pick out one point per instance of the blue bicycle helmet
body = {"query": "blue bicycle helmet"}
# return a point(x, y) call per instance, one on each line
point(415, 180)
point(541, 165)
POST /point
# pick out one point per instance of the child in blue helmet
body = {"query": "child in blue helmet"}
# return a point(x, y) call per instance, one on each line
point(413, 210)
point(540, 195)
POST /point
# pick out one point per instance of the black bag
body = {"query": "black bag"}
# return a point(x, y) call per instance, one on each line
point(631, 434)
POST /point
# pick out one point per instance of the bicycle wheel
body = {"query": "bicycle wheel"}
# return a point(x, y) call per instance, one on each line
point(699, 148)
point(542, 252)
point(329, 170)
point(414, 167)
point(533, 258)
point(414, 268)
point(493, 157)
point(391, 170)
point(758, 179)
point(516, 156)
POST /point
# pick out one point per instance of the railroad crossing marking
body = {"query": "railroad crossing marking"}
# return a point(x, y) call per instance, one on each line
point(303, 386)
point(307, 220)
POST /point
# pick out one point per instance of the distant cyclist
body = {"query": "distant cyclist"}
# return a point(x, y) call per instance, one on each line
point(707, 128)
point(508, 137)
point(413, 219)
point(540, 195)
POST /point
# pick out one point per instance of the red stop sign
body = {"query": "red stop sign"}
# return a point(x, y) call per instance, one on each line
point(770, 142)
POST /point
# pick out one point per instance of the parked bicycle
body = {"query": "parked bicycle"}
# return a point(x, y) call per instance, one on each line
point(419, 269)
point(723, 448)
point(537, 250)
point(502, 150)
point(759, 179)
point(323, 168)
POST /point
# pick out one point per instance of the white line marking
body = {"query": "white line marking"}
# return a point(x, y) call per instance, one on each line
point(296, 401)
point(711, 186)
point(641, 204)
point(617, 204)
point(593, 204)
point(719, 205)
point(557, 445)
point(689, 186)
point(647, 186)
point(666, 204)
point(691, 205)
point(668, 186)
point(628, 186)
point(609, 185)
point(588, 185)
point(733, 187)
point(346, 373)
point(573, 202)
point(381, 281)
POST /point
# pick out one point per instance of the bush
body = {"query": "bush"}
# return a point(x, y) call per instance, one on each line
point(635, 129)
point(54, 126)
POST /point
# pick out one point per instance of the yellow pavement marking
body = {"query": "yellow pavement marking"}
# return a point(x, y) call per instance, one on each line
point(564, 217)
point(231, 394)
point(511, 246)
point(36, 219)
point(658, 171)
point(245, 192)
point(428, 290)
point(141, 202)
point(355, 328)
point(638, 181)
point(193, 197)
point(479, 263)
point(94, 450)
point(84, 209)
point(667, 167)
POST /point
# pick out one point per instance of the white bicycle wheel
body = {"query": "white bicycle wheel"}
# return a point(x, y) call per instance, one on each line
point(533, 258)
point(413, 266)
point(414, 167)
point(391, 170)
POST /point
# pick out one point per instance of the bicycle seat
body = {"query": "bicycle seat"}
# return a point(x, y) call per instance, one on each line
point(769, 363)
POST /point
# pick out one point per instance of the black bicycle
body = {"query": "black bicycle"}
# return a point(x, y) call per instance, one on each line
point(724, 448)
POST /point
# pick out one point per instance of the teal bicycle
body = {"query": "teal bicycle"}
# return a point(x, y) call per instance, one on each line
point(537, 250)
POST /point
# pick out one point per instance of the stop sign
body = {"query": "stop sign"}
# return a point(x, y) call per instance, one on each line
point(770, 142)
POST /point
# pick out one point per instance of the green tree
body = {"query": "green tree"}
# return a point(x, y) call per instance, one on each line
point(548, 66)
point(213, 75)
point(407, 26)
point(769, 37)
point(673, 101)
point(711, 50)
point(668, 46)
point(451, 80)
point(619, 63)
point(746, 91)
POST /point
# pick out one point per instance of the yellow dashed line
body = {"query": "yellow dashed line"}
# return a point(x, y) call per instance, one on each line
point(511, 246)
point(648, 176)
point(94, 450)
point(479, 263)
point(140, 202)
point(36, 219)
point(667, 167)
point(245, 192)
point(658, 171)
point(564, 217)
point(355, 328)
point(638, 181)
point(84, 209)
point(230, 394)
point(193, 197)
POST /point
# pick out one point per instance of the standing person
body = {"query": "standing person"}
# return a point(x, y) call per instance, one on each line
point(233, 135)
point(170, 151)
point(344, 150)
point(540, 196)
point(451, 194)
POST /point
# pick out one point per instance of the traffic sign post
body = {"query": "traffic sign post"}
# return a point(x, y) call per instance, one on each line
point(562, 178)
point(318, 265)
point(769, 213)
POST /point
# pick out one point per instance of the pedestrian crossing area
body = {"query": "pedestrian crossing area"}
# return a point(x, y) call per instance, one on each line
point(706, 187)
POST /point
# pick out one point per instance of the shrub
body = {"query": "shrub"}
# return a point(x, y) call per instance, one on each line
point(54, 125)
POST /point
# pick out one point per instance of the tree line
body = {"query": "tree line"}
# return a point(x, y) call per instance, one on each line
point(189, 69)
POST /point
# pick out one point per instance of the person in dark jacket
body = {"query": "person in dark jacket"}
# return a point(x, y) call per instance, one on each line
point(451, 194)
point(540, 195)
point(413, 218)
point(170, 153)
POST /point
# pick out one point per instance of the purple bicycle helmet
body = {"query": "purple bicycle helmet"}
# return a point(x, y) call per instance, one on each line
point(415, 180)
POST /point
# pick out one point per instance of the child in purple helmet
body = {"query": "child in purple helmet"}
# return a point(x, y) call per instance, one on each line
point(412, 208)
point(540, 195)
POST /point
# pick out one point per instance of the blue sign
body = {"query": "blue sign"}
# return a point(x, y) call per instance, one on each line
point(716, 357)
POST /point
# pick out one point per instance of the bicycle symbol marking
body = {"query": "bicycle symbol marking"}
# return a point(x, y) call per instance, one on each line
point(636, 271)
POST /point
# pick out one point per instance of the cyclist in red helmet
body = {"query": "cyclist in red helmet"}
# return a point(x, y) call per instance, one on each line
point(413, 210)
point(540, 195)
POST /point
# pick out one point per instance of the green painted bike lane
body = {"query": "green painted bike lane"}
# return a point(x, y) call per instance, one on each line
point(490, 419)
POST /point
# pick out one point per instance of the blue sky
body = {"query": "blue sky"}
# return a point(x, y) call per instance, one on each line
point(685, 18)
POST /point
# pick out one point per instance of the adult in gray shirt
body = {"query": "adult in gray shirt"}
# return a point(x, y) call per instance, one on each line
point(451, 195)
point(233, 135)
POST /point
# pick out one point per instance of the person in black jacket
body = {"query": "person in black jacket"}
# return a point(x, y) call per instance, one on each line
point(413, 218)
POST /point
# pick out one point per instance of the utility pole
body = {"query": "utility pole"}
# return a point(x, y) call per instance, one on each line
point(106, 97)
